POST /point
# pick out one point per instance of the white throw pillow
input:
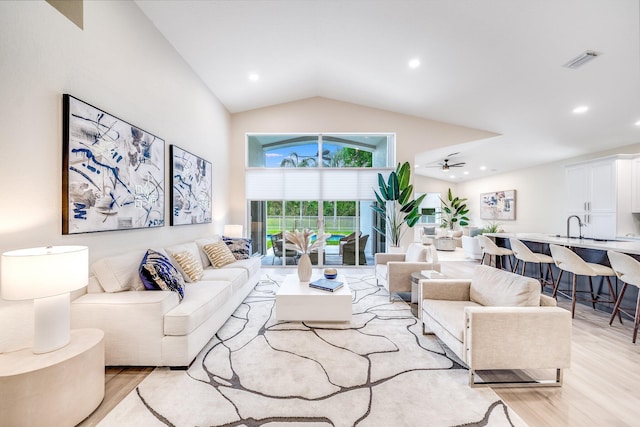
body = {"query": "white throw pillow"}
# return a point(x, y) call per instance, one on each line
point(415, 253)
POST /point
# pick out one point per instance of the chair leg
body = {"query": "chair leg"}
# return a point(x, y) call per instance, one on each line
point(524, 267)
point(613, 296)
point(550, 272)
point(515, 267)
point(593, 296)
point(573, 297)
point(637, 319)
point(555, 288)
point(616, 307)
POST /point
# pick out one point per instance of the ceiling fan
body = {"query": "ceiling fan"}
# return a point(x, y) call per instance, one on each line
point(445, 165)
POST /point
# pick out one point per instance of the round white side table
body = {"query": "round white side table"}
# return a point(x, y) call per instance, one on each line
point(59, 388)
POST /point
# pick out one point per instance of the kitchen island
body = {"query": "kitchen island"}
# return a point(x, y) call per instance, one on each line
point(591, 250)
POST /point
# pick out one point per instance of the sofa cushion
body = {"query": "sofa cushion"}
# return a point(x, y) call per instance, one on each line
point(157, 272)
point(219, 254)
point(240, 247)
point(415, 253)
point(251, 265)
point(201, 243)
point(190, 247)
point(449, 314)
point(119, 273)
point(200, 301)
point(499, 288)
point(188, 265)
point(236, 276)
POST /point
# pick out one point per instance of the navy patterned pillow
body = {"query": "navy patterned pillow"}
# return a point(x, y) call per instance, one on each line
point(240, 247)
point(157, 273)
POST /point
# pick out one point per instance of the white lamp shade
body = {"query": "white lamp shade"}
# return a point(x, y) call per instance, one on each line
point(43, 272)
point(231, 230)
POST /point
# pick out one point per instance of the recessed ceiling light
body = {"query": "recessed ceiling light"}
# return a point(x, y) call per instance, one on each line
point(581, 109)
point(483, 168)
point(414, 63)
point(254, 77)
point(637, 123)
point(452, 176)
point(466, 172)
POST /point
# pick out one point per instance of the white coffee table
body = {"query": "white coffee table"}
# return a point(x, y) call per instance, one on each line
point(297, 301)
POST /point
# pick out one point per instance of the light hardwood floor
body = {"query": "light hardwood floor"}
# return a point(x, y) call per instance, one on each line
point(600, 389)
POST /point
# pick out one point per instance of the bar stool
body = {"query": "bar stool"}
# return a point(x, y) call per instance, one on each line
point(522, 253)
point(567, 260)
point(489, 247)
point(627, 269)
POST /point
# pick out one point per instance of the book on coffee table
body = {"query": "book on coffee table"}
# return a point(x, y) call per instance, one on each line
point(326, 284)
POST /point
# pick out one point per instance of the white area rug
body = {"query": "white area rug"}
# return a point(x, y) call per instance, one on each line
point(377, 371)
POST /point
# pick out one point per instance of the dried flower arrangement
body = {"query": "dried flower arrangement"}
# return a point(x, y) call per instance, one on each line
point(301, 241)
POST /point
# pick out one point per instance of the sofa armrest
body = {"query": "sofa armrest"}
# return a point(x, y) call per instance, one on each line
point(517, 337)
point(399, 274)
point(383, 258)
point(445, 289)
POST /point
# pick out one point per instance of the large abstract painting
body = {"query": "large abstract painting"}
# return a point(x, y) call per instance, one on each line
point(191, 184)
point(113, 172)
point(499, 205)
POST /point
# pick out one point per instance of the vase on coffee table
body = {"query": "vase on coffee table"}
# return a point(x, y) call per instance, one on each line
point(304, 268)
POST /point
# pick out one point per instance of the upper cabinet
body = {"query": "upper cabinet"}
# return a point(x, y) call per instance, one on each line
point(635, 186)
point(598, 192)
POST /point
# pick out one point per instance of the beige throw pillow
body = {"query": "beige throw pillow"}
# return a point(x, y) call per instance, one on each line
point(189, 267)
point(219, 254)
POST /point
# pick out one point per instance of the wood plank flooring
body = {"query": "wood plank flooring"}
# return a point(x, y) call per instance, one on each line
point(600, 389)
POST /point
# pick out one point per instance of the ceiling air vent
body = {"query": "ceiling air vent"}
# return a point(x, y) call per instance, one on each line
point(580, 60)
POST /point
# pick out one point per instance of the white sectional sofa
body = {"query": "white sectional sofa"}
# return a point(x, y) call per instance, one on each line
point(498, 320)
point(153, 327)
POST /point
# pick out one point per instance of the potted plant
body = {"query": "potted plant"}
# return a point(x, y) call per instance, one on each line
point(454, 212)
point(395, 204)
point(492, 227)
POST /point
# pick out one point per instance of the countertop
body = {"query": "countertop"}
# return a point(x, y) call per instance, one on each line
point(624, 246)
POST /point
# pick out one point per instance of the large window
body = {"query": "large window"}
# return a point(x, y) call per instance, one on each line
point(316, 181)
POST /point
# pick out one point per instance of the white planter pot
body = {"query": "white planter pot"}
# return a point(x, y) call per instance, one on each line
point(304, 268)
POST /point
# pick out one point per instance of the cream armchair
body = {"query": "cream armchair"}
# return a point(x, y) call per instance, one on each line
point(393, 271)
point(498, 320)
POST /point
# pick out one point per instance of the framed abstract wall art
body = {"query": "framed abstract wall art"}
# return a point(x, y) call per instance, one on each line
point(112, 174)
point(499, 205)
point(191, 187)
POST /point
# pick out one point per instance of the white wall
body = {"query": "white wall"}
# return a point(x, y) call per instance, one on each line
point(119, 63)
point(413, 134)
point(540, 194)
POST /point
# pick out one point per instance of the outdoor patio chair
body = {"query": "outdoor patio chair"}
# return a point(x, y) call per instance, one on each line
point(349, 251)
point(277, 242)
point(348, 238)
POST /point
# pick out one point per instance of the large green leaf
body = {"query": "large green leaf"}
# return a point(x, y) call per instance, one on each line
point(393, 190)
point(384, 192)
point(404, 174)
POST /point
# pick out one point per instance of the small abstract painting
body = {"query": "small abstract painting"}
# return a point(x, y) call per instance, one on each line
point(191, 184)
point(499, 205)
point(113, 172)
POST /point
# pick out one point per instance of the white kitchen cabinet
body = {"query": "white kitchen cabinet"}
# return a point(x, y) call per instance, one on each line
point(635, 185)
point(598, 192)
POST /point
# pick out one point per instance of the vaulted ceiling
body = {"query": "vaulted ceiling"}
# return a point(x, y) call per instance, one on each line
point(495, 65)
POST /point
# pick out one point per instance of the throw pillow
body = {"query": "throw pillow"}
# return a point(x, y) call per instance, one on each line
point(189, 267)
point(240, 247)
point(219, 254)
point(157, 273)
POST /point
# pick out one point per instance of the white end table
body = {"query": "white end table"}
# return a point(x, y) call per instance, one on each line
point(59, 388)
point(297, 301)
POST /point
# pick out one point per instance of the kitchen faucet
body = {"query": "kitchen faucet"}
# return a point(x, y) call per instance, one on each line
point(579, 226)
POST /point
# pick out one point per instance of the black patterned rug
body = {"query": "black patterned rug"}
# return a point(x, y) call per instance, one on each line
point(377, 371)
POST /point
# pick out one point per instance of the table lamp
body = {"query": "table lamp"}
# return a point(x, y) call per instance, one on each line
point(46, 275)
point(231, 230)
